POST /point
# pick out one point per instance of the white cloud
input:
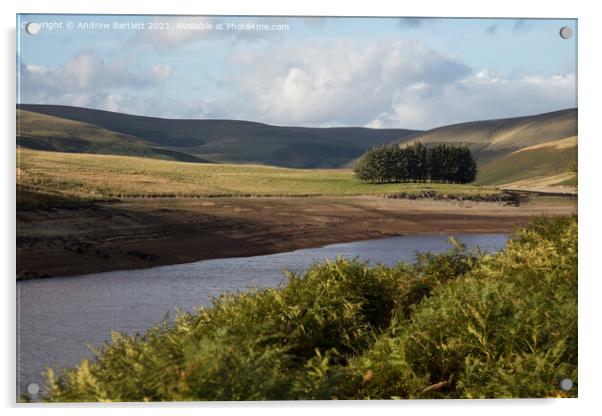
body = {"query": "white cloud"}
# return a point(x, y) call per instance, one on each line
point(85, 76)
point(482, 96)
point(113, 102)
point(334, 82)
point(162, 72)
point(400, 84)
point(83, 72)
point(313, 83)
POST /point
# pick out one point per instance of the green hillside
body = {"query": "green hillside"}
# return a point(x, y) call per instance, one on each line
point(493, 139)
point(228, 141)
point(531, 163)
point(44, 132)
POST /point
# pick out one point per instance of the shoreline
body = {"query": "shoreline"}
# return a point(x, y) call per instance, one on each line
point(134, 234)
point(256, 254)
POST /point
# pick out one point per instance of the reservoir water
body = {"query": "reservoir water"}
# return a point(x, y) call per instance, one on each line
point(58, 317)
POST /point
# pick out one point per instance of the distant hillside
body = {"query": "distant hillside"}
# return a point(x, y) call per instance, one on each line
point(537, 149)
point(230, 141)
point(550, 160)
point(44, 132)
point(515, 149)
point(508, 132)
point(490, 139)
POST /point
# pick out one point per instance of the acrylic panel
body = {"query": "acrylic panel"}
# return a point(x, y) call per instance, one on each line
point(294, 208)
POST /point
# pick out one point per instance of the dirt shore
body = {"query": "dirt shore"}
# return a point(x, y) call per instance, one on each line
point(141, 233)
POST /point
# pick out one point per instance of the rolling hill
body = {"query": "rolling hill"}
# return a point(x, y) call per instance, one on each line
point(530, 150)
point(507, 134)
point(231, 141)
point(44, 132)
point(533, 148)
point(545, 159)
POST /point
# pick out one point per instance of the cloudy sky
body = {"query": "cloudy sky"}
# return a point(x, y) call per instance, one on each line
point(387, 72)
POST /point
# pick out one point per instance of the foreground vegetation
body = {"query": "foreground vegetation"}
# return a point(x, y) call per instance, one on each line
point(455, 325)
point(108, 176)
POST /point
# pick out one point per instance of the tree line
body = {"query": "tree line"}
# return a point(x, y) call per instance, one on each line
point(417, 163)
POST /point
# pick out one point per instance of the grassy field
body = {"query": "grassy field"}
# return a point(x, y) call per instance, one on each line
point(108, 176)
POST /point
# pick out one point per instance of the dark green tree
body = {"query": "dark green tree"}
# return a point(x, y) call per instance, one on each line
point(417, 163)
point(366, 167)
point(466, 166)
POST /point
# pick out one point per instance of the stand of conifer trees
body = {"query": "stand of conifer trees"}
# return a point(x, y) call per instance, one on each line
point(417, 163)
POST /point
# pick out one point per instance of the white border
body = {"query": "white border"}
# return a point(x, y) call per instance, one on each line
point(590, 150)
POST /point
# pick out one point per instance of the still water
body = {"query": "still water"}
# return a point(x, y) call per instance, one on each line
point(58, 317)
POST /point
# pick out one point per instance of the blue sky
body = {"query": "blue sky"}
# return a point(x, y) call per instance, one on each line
point(378, 72)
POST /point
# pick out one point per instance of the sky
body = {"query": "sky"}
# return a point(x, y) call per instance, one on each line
point(391, 72)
